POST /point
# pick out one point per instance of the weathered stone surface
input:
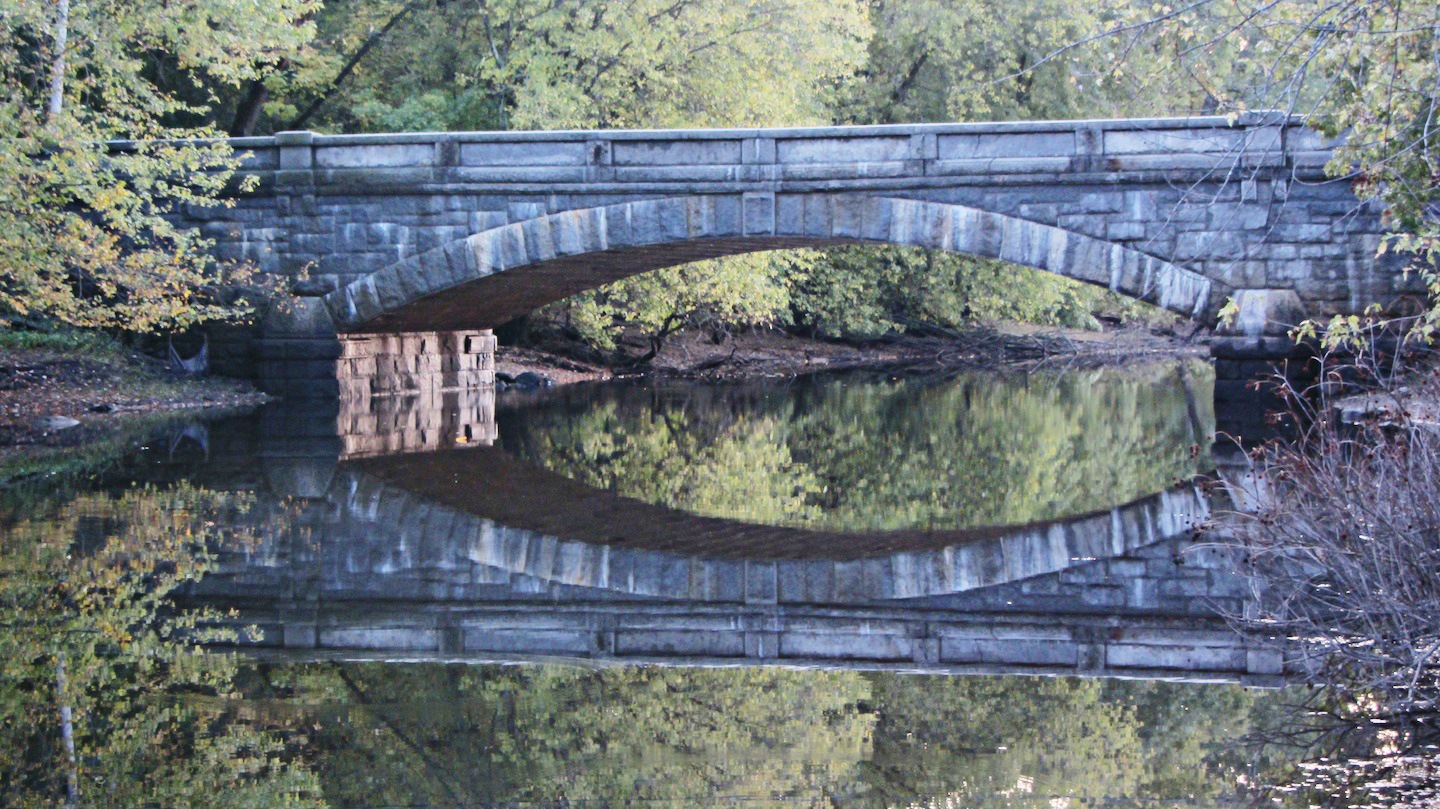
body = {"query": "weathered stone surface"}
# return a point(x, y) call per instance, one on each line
point(301, 317)
point(1264, 313)
point(1135, 205)
point(523, 154)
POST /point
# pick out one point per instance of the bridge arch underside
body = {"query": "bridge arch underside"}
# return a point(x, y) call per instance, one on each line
point(505, 272)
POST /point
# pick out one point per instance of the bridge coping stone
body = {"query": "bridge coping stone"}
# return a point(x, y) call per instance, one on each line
point(1310, 139)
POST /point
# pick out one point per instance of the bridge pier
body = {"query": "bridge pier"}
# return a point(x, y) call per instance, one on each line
point(415, 362)
point(1252, 354)
point(298, 353)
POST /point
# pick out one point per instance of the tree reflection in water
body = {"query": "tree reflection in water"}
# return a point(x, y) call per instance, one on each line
point(156, 720)
point(106, 696)
point(854, 453)
point(1354, 750)
point(554, 735)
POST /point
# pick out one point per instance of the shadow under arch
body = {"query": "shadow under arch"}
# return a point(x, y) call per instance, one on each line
point(499, 274)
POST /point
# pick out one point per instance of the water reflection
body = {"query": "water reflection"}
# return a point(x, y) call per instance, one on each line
point(358, 542)
point(444, 555)
point(557, 736)
point(429, 420)
point(866, 452)
point(105, 698)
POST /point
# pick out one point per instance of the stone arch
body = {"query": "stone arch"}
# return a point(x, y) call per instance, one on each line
point(474, 283)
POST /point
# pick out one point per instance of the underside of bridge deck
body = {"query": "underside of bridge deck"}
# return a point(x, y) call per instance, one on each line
point(497, 299)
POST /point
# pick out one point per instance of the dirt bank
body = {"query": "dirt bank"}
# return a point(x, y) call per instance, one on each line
point(772, 352)
point(57, 398)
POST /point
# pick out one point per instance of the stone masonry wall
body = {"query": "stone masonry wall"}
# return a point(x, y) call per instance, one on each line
point(417, 362)
point(1244, 204)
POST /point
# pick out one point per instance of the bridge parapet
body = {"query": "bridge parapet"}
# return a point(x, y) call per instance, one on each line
point(1245, 202)
point(587, 161)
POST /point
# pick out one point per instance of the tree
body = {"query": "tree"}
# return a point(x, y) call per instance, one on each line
point(719, 294)
point(869, 292)
point(86, 235)
point(1344, 558)
point(543, 64)
point(934, 60)
point(553, 735)
point(1364, 71)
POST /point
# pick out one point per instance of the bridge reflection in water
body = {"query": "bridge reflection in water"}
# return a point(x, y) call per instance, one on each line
point(393, 531)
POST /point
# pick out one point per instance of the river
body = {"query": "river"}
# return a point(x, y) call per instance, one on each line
point(852, 590)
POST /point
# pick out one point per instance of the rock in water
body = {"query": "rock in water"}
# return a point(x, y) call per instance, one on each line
point(532, 380)
point(54, 424)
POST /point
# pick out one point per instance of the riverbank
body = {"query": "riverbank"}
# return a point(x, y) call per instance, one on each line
point(61, 398)
point(777, 353)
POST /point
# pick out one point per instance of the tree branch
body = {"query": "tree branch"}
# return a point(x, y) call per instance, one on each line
point(370, 42)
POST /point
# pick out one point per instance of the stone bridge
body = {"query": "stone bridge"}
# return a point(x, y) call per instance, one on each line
point(431, 234)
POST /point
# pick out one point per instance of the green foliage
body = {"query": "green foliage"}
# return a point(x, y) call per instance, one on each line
point(550, 735)
point(965, 60)
point(1364, 71)
point(849, 292)
point(1061, 738)
point(1191, 734)
point(868, 292)
point(65, 341)
point(493, 735)
point(719, 294)
point(830, 453)
point(85, 235)
point(1380, 61)
point(84, 598)
point(534, 64)
point(1015, 741)
point(1424, 246)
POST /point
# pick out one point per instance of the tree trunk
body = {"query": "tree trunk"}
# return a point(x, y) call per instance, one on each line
point(370, 42)
point(57, 63)
point(248, 113)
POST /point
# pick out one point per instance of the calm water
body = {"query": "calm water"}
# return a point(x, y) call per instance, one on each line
point(835, 591)
point(868, 452)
